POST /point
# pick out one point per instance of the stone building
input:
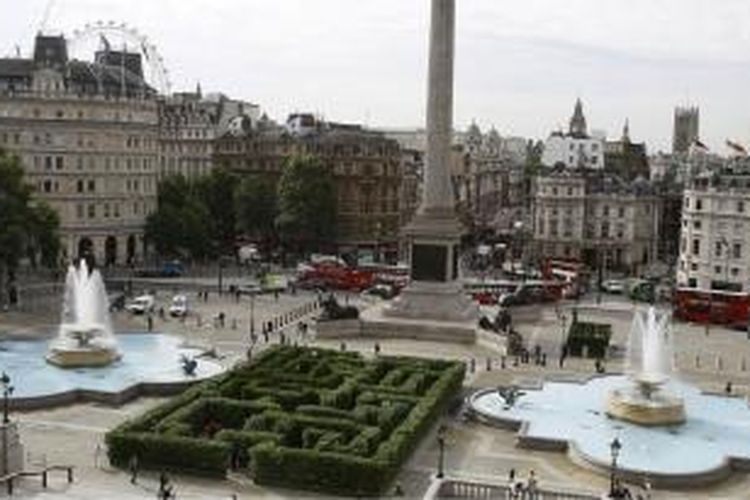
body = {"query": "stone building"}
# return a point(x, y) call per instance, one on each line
point(598, 219)
point(190, 122)
point(87, 135)
point(686, 129)
point(576, 148)
point(625, 158)
point(715, 237)
point(366, 165)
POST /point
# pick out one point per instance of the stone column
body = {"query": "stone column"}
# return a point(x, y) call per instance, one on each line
point(438, 194)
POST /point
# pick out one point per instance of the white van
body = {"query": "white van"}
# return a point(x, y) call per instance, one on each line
point(141, 305)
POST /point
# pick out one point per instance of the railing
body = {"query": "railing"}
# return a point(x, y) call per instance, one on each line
point(10, 479)
point(457, 488)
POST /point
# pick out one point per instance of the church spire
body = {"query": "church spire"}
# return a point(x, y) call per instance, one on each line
point(578, 121)
point(626, 131)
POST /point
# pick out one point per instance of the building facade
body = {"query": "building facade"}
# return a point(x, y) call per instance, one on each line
point(600, 220)
point(686, 129)
point(715, 236)
point(87, 135)
point(576, 148)
point(190, 122)
point(366, 165)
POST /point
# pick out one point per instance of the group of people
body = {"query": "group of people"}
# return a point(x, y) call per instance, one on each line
point(519, 488)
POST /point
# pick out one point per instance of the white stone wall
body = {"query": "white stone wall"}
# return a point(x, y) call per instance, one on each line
point(573, 152)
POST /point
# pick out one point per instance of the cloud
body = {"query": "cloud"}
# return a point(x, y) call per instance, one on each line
point(520, 65)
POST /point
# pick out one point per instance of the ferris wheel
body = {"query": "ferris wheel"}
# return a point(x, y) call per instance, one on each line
point(120, 36)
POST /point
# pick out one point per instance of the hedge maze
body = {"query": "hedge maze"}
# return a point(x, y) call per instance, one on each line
point(301, 418)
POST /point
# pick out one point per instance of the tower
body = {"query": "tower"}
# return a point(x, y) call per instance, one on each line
point(686, 128)
point(577, 126)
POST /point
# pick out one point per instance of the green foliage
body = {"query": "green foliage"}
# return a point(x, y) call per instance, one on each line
point(307, 203)
point(27, 227)
point(275, 418)
point(595, 336)
point(256, 206)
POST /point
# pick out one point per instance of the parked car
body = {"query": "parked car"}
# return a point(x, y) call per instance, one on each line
point(615, 287)
point(169, 269)
point(141, 305)
point(250, 289)
point(383, 291)
point(179, 306)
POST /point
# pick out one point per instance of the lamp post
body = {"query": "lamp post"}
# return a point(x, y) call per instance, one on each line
point(7, 391)
point(441, 451)
point(252, 314)
point(518, 232)
point(614, 447)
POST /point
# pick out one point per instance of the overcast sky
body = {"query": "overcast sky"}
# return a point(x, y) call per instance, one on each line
point(520, 64)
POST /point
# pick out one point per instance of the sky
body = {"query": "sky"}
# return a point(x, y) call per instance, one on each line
point(520, 65)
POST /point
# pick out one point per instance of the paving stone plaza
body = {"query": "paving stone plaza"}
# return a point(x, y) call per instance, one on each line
point(73, 435)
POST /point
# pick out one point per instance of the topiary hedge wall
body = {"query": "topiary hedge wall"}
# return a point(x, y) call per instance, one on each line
point(301, 418)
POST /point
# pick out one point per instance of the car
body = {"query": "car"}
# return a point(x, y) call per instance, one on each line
point(615, 287)
point(382, 290)
point(179, 306)
point(141, 305)
point(249, 289)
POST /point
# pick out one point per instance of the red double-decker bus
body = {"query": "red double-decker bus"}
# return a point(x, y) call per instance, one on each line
point(714, 306)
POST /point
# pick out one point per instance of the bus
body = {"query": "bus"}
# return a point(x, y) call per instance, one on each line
point(714, 306)
point(512, 292)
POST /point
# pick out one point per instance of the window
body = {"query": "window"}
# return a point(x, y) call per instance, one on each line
point(735, 271)
point(79, 186)
point(717, 269)
point(620, 231)
point(59, 163)
point(696, 224)
point(699, 204)
point(717, 249)
point(605, 211)
point(48, 162)
point(106, 210)
point(737, 251)
point(740, 206)
point(47, 186)
point(696, 247)
point(692, 283)
point(79, 211)
point(553, 227)
point(570, 191)
point(605, 229)
point(687, 202)
point(92, 185)
point(92, 211)
point(621, 212)
point(693, 266)
point(117, 210)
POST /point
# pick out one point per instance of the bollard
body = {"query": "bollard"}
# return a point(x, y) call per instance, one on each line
point(44, 479)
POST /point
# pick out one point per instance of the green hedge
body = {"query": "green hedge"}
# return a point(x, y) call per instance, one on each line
point(310, 419)
point(201, 456)
point(595, 336)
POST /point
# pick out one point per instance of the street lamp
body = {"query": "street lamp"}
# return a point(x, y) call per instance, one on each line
point(518, 232)
point(7, 391)
point(441, 449)
point(614, 448)
point(252, 314)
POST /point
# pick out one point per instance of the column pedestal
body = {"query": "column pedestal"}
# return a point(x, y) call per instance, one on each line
point(11, 450)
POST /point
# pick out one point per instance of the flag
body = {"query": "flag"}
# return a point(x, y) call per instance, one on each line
point(736, 147)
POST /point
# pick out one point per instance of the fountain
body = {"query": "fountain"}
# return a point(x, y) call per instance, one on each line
point(645, 401)
point(85, 337)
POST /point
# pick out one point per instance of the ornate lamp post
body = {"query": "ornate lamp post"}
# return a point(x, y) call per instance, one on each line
point(441, 451)
point(614, 448)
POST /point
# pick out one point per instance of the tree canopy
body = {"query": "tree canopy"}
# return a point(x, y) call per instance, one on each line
point(307, 203)
point(256, 205)
point(28, 227)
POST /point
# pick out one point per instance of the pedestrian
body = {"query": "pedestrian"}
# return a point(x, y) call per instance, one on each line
point(265, 336)
point(133, 468)
point(163, 485)
point(472, 365)
point(544, 359)
point(532, 484)
point(161, 313)
point(150, 321)
point(728, 388)
point(222, 318)
point(502, 362)
point(97, 454)
point(276, 295)
point(342, 346)
point(489, 364)
point(377, 349)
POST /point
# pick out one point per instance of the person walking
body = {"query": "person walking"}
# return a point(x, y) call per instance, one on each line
point(133, 468)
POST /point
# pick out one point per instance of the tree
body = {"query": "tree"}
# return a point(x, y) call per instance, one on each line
point(181, 225)
point(216, 193)
point(27, 227)
point(256, 208)
point(307, 203)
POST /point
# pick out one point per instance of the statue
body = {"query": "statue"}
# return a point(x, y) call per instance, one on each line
point(509, 395)
point(189, 365)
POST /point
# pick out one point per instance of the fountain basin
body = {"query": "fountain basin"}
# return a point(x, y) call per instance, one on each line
point(83, 357)
point(569, 417)
point(150, 364)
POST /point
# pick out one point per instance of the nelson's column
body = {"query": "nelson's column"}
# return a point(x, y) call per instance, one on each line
point(434, 306)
